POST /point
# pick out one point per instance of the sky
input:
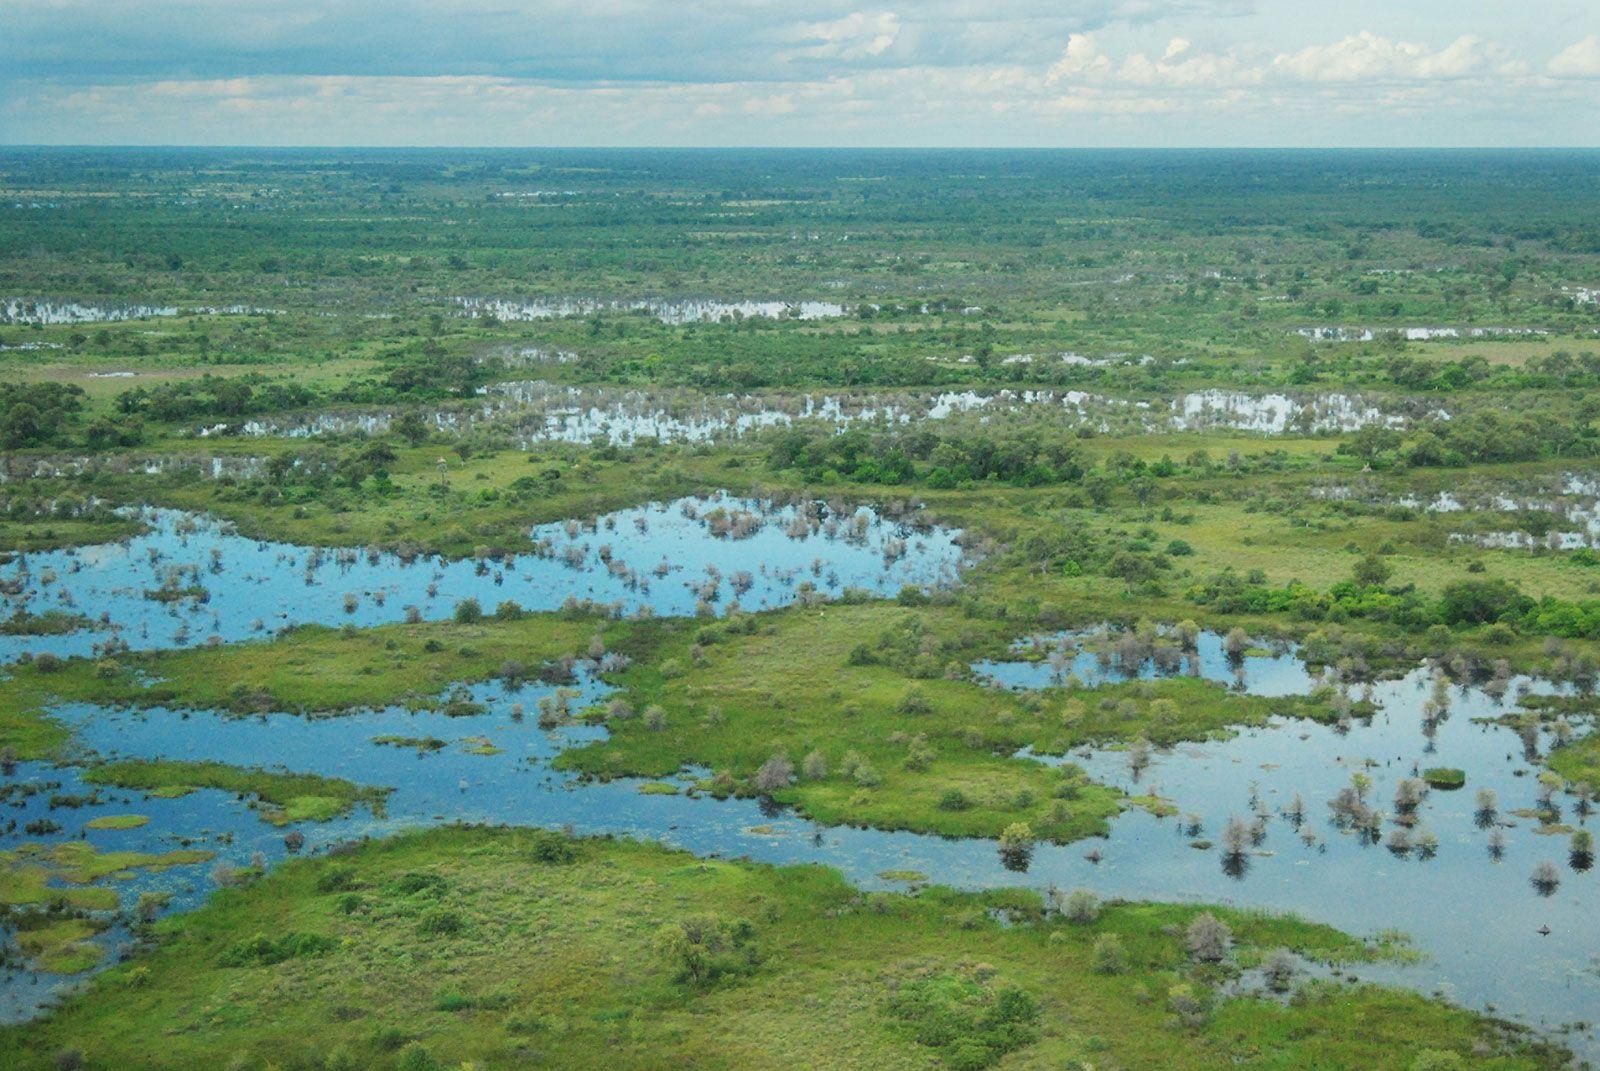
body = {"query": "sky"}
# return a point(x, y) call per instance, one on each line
point(968, 73)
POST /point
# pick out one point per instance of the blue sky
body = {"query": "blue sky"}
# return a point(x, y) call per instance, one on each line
point(757, 72)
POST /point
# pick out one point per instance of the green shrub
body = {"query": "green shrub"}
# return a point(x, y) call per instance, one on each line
point(702, 949)
point(263, 951)
point(968, 1024)
point(336, 879)
point(416, 1057)
point(441, 922)
point(550, 847)
point(1445, 777)
point(415, 881)
point(1108, 955)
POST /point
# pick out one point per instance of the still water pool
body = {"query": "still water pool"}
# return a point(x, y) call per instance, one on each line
point(189, 579)
point(1476, 917)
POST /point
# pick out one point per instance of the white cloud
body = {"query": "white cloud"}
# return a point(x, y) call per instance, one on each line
point(1368, 57)
point(1182, 68)
point(1082, 61)
point(1580, 60)
point(942, 72)
point(1359, 58)
point(857, 36)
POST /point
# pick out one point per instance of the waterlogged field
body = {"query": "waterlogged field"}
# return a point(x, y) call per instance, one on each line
point(1153, 624)
point(188, 579)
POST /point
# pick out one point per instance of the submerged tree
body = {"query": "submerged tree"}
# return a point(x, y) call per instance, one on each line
point(1488, 805)
point(1581, 850)
point(1279, 968)
point(1016, 846)
point(1546, 878)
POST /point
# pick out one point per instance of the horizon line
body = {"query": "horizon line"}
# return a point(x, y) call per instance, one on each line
point(805, 148)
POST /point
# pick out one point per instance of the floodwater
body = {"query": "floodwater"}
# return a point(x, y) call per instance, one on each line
point(675, 312)
point(1570, 499)
point(26, 311)
point(535, 411)
point(1458, 880)
point(1415, 334)
point(1094, 659)
point(1476, 918)
point(189, 579)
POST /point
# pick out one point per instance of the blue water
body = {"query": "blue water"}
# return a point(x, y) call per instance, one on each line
point(1476, 918)
point(1091, 657)
point(657, 558)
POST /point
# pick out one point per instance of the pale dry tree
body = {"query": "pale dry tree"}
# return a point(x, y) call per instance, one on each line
point(1079, 905)
point(1546, 877)
point(1279, 967)
point(1208, 938)
point(774, 774)
point(1235, 837)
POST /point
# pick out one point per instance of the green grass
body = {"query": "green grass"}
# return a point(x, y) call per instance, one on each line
point(49, 623)
point(1444, 777)
point(447, 505)
point(52, 905)
point(31, 535)
point(117, 821)
point(1579, 761)
point(282, 798)
point(310, 670)
point(80, 863)
point(60, 945)
point(561, 964)
point(903, 742)
point(792, 683)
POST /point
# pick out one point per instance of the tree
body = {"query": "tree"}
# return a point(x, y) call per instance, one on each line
point(411, 427)
point(1372, 572)
point(1080, 905)
point(1279, 966)
point(774, 774)
point(1108, 955)
point(701, 948)
point(1477, 602)
point(20, 426)
point(1016, 846)
point(1208, 938)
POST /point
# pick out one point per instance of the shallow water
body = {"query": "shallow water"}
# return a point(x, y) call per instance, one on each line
point(537, 411)
point(675, 312)
point(1474, 917)
point(1415, 334)
point(26, 311)
point(670, 559)
point(20, 468)
point(1573, 498)
point(1092, 658)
